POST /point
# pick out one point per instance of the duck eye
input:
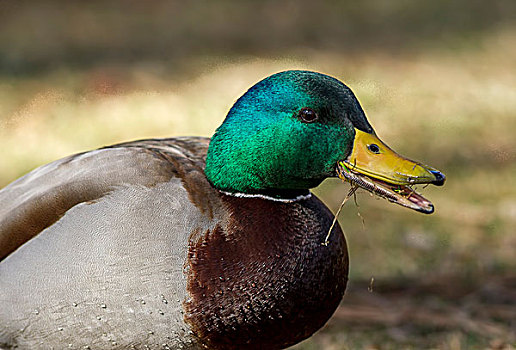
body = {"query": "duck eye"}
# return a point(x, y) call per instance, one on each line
point(374, 148)
point(308, 115)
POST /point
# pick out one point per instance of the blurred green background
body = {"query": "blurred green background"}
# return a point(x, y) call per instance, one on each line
point(437, 80)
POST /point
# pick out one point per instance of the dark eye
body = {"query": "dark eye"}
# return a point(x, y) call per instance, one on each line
point(308, 115)
point(374, 148)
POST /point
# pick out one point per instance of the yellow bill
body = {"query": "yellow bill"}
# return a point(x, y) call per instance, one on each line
point(375, 167)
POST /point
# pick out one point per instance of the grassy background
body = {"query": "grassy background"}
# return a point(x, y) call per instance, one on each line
point(436, 80)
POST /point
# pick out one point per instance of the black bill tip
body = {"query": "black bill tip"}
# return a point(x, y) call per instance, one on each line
point(427, 210)
point(439, 178)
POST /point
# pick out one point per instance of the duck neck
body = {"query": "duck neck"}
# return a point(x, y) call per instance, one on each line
point(275, 196)
point(263, 279)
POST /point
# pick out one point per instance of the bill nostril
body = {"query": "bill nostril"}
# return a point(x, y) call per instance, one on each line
point(439, 178)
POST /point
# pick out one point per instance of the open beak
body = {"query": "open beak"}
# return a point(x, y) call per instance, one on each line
point(375, 167)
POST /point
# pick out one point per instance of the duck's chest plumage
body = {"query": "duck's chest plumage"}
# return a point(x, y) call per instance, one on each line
point(156, 256)
point(261, 277)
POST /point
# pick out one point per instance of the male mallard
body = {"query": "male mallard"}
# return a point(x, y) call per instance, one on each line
point(191, 243)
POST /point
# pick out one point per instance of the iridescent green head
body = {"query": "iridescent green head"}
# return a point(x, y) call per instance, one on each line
point(285, 135)
point(292, 130)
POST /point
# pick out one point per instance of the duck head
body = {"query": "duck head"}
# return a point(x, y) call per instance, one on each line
point(294, 129)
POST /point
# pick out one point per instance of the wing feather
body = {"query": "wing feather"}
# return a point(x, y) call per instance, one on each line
point(41, 197)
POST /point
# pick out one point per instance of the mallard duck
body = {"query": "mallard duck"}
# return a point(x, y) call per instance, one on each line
point(196, 243)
